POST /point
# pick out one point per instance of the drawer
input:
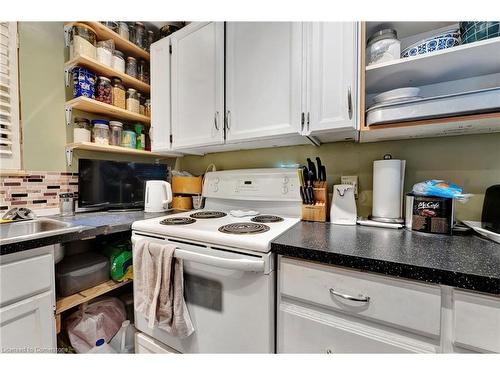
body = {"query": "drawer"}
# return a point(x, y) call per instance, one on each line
point(404, 304)
point(147, 345)
point(476, 321)
point(26, 277)
point(301, 330)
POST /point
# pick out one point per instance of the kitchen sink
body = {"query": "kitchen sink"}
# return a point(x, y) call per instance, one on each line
point(33, 229)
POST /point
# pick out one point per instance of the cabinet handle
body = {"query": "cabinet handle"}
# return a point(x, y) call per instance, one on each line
point(308, 122)
point(349, 103)
point(228, 120)
point(361, 298)
point(329, 351)
point(216, 120)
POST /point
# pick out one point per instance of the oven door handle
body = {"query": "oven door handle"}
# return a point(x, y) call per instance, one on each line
point(232, 264)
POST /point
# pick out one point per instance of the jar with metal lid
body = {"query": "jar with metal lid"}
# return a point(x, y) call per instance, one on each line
point(118, 93)
point(123, 30)
point(118, 63)
point(140, 136)
point(105, 49)
point(139, 35)
point(111, 25)
point(129, 137)
point(100, 132)
point(82, 41)
point(81, 132)
point(143, 71)
point(116, 128)
point(104, 90)
point(66, 204)
point(150, 39)
point(131, 67)
point(147, 107)
point(383, 46)
point(142, 101)
point(132, 100)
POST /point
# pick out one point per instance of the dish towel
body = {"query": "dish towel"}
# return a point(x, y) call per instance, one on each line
point(159, 288)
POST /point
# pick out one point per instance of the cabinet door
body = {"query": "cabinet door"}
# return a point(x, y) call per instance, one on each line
point(333, 71)
point(160, 96)
point(28, 324)
point(198, 85)
point(263, 79)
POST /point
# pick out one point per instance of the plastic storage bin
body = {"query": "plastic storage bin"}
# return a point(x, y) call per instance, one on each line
point(81, 271)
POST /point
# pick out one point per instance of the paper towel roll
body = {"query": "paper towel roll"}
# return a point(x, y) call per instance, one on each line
point(388, 185)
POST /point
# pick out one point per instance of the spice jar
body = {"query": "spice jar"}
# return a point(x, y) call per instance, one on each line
point(81, 132)
point(132, 101)
point(100, 132)
point(143, 71)
point(82, 41)
point(131, 67)
point(147, 108)
point(116, 128)
point(103, 90)
point(118, 63)
point(83, 82)
point(129, 137)
point(118, 93)
point(140, 136)
point(123, 30)
point(105, 50)
point(139, 35)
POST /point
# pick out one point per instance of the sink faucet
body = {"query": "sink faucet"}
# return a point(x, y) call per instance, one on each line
point(19, 213)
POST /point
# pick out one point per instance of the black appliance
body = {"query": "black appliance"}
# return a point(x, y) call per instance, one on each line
point(491, 209)
point(106, 184)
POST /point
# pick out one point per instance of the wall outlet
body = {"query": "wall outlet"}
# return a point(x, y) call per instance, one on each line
point(350, 180)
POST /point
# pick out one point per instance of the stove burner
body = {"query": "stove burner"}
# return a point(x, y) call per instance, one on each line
point(177, 221)
point(266, 219)
point(208, 215)
point(244, 228)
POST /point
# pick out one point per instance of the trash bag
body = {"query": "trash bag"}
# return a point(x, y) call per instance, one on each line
point(101, 318)
point(440, 188)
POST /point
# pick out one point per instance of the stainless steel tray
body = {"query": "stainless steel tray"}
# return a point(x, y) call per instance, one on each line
point(478, 101)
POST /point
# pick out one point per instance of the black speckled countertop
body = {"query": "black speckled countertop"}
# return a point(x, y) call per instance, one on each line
point(86, 225)
point(468, 262)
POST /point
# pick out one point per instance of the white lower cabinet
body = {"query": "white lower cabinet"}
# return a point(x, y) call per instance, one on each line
point(145, 344)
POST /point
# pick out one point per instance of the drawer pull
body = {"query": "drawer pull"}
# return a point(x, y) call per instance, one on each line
point(350, 298)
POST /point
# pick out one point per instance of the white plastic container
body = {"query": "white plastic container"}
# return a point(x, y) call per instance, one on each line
point(123, 341)
point(101, 347)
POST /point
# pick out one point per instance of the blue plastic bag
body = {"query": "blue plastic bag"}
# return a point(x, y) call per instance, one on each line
point(440, 188)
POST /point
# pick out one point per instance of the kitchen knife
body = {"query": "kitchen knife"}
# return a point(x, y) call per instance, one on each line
point(310, 190)
point(312, 168)
point(323, 173)
point(305, 174)
point(318, 162)
point(302, 195)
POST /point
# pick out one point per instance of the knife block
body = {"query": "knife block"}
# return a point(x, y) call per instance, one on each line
point(318, 211)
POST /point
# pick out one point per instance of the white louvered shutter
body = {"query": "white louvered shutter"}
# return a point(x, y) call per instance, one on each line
point(10, 150)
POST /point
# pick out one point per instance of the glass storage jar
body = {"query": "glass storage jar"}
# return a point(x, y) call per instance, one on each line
point(104, 90)
point(383, 46)
point(139, 35)
point(140, 136)
point(150, 39)
point(116, 128)
point(123, 30)
point(118, 93)
point(100, 132)
point(105, 49)
point(83, 82)
point(143, 71)
point(132, 101)
point(118, 61)
point(142, 101)
point(81, 132)
point(129, 137)
point(131, 67)
point(111, 25)
point(147, 108)
point(82, 41)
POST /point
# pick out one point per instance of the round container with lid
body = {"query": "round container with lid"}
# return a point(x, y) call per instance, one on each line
point(147, 108)
point(131, 66)
point(118, 62)
point(105, 49)
point(150, 39)
point(116, 128)
point(129, 138)
point(104, 90)
point(143, 71)
point(118, 93)
point(141, 137)
point(82, 41)
point(123, 30)
point(100, 132)
point(383, 46)
point(132, 100)
point(83, 82)
point(139, 35)
point(81, 132)
point(142, 100)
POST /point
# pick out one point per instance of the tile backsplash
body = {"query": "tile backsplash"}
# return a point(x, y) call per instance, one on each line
point(36, 190)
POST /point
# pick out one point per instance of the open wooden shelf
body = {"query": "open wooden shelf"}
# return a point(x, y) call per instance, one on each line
point(104, 70)
point(66, 303)
point(121, 44)
point(464, 61)
point(90, 146)
point(93, 106)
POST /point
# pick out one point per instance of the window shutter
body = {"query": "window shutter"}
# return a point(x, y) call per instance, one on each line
point(10, 150)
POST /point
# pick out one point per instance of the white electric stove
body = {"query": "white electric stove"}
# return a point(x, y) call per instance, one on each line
point(228, 267)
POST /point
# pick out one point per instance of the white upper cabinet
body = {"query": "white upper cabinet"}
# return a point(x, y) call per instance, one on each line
point(160, 96)
point(332, 74)
point(263, 80)
point(197, 90)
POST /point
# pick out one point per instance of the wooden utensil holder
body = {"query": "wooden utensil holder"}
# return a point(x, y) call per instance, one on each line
point(318, 211)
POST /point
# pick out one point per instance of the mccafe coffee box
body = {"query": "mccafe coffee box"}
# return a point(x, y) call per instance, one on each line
point(432, 214)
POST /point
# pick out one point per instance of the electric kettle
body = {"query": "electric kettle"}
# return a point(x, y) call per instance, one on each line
point(157, 196)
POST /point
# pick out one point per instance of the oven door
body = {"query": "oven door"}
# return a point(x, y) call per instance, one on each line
point(230, 298)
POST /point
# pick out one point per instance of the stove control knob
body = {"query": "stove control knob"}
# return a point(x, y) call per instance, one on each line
point(284, 190)
point(285, 180)
point(216, 188)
